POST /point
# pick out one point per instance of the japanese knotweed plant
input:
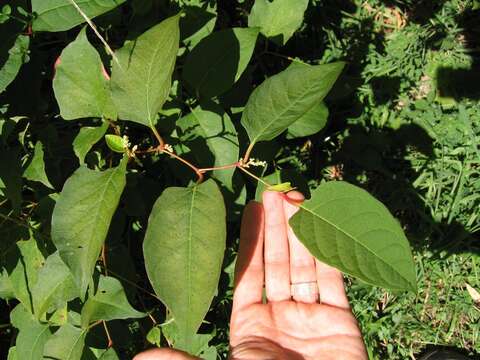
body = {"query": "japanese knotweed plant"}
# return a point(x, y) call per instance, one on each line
point(185, 240)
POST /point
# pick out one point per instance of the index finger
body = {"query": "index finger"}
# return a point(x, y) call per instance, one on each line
point(249, 269)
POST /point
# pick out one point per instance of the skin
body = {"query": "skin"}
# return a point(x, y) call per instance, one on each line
point(287, 326)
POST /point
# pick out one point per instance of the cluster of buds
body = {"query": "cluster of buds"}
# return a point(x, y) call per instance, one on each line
point(254, 162)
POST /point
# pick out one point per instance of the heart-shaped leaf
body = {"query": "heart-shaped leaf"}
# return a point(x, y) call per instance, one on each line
point(80, 85)
point(142, 78)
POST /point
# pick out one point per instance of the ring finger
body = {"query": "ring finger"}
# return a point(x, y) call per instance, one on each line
point(302, 265)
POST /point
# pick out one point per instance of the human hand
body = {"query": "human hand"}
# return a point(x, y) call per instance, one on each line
point(289, 326)
point(286, 327)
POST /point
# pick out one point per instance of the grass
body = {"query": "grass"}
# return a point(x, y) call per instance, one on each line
point(408, 130)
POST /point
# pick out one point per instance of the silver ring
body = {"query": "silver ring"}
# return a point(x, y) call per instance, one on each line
point(303, 289)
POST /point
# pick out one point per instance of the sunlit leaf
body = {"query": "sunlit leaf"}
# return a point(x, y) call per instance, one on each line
point(108, 303)
point(17, 56)
point(284, 98)
point(345, 227)
point(66, 344)
point(80, 85)
point(82, 216)
point(310, 123)
point(141, 81)
point(54, 286)
point(35, 170)
point(183, 250)
point(60, 15)
point(86, 138)
point(277, 19)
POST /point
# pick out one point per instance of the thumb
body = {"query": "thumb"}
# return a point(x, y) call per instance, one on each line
point(164, 354)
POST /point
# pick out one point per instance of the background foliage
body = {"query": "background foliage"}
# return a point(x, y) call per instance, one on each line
point(402, 123)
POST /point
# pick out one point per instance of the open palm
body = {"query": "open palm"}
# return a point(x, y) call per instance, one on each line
point(283, 326)
point(286, 326)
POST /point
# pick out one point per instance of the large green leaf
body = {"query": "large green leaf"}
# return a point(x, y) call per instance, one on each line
point(80, 86)
point(82, 216)
point(86, 138)
point(17, 56)
point(142, 79)
point(66, 344)
point(25, 274)
point(31, 340)
point(54, 286)
point(183, 250)
point(219, 60)
point(108, 303)
point(345, 227)
point(284, 98)
point(60, 15)
point(212, 138)
point(277, 19)
point(310, 123)
point(35, 171)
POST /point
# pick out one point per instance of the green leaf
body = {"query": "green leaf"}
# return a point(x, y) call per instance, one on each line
point(280, 176)
point(35, 171)
point(283, 187)
point(198, 22)
point(17, 56)
point(110, 354)
point(141, 81)
point(219, 60)
point(198, 342)
point(154, 336)
point(6, 287)
point(54, 286)
point(60, 15)
point(345, 227)
point(82, 216)
point(25, 274)
point(212, 138)
point(31, 340)
point(183, 250)
point(108, 303)
point(277, 19)
point(284, 98)
point(115, 143)
point(80, 85)
point(86, 138)
point(66, 344)
point(310, 123)
point(12, 353)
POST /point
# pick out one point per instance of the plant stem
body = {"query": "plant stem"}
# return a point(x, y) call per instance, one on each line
point(248, 153)
point(110, 342)
point(161, 142)
point(104, 260)
point(254, 176)
point(193, 167)
point(223, 167)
